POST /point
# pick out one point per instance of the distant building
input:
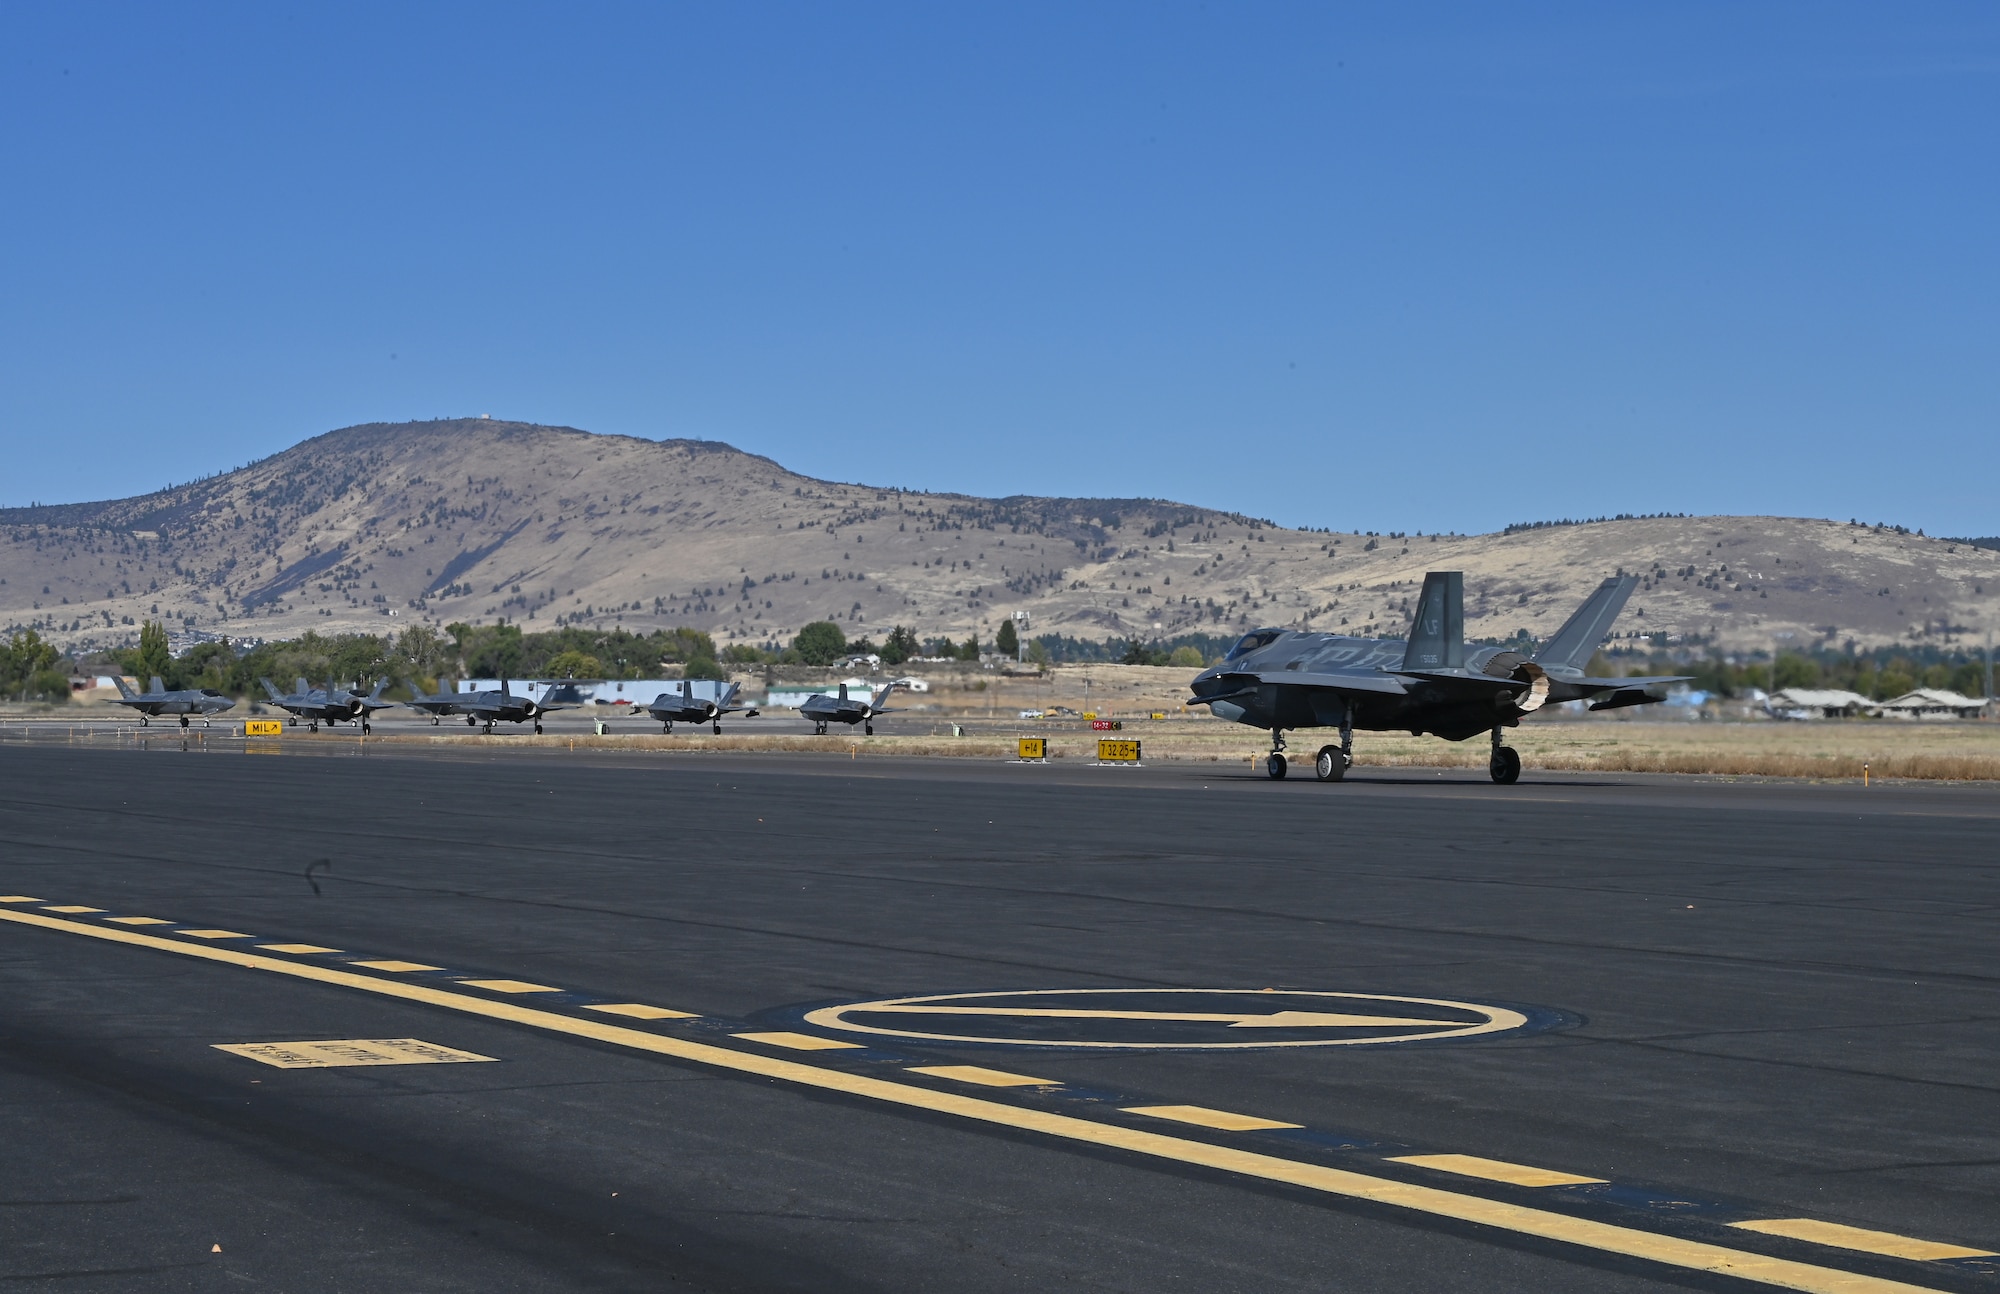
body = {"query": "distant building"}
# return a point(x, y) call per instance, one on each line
point(1932, 703)
point(1815, 703)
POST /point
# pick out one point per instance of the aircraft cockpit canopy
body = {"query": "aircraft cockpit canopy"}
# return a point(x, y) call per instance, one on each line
point(1252, 641)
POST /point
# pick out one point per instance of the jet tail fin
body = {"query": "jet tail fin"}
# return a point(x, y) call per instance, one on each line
point(123, 688)
point(1571, 648)
point(1437, 636)
point(882, 697)
point(156, 686)
point(728, 696)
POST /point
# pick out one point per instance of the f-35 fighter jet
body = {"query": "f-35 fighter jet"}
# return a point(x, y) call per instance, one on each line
point(683, 707)
point(823, 709)
point(435, 706)
point(156, 701)
point(328, 705)
point(1282, 678)
point(490, 708)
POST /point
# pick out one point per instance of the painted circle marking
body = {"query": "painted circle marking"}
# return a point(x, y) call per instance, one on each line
point(1178, 1019)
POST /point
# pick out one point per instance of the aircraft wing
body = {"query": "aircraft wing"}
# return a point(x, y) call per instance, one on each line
point(1615, 693)
point(1246, 684)
point(1467, 684)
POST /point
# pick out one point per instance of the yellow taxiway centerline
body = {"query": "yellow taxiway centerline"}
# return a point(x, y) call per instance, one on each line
point(1604, 1237)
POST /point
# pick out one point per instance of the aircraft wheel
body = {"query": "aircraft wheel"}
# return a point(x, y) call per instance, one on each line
point(1330, 765)
point(434, 721)
point(472, 721)
point(1275, 767)
point(365, 727)
point(184, 722)
point(718, 730)
point(868, 729)
point(538, 728)
point(145, 722)
point(819, 730)
point(1506, 765)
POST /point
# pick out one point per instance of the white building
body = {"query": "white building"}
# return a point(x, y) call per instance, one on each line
point(1932, 703)
point(1816, 703)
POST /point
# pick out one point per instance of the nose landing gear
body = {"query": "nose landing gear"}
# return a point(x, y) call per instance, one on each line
point(1275, 766)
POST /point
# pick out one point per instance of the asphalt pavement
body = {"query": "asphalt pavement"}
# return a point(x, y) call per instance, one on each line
point(509, 1019)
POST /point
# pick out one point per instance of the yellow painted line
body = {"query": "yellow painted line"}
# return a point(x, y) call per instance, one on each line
point(796, 1041)
point(508, 986)
point(1207, 1118)
point(640, 1011)
point(1868, 1242)
point(72, 907)
point(18, 898)
point(983, 1077)
point(216, 934)
point(1604, 1237)
point(301, 949)
point(1495, 1170)
point(140, 921)
point(394, 965)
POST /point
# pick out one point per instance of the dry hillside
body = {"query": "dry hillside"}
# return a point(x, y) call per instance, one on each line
point(372, 527)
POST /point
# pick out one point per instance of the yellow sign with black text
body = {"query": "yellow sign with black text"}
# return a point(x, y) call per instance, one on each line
point(263, 728)
point(1111, 751)
point(1034, 748)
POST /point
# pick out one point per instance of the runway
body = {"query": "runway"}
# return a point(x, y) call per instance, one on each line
point(526, 1019)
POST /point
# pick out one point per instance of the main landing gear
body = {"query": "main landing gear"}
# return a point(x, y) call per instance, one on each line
point(868, 729)
point(184, 723)
point(819, 728)
point(667, 725)
point(1505, 766)
point(718, 728)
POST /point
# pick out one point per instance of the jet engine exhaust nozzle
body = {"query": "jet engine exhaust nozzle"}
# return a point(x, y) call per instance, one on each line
point(1537, 680)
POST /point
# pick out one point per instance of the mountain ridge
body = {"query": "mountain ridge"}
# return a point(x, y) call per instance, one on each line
point(380, 525)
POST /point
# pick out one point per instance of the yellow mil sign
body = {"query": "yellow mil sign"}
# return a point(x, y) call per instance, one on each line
point(1117, 752)
point(1034, 748)
point(263, 728)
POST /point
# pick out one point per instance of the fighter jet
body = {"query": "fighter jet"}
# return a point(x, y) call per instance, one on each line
point(494, 707)
point(823, 709)
point(1283, 678)
point(156, 701)
point(328, 705)
point(435, 706)
point(684, 707)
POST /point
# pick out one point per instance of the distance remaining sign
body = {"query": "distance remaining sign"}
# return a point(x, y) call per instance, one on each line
point(1208, 1019)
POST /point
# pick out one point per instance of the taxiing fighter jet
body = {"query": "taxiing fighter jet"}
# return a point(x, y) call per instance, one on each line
point(1283, 678)
point(823, 709)
point(156, 701)
point(683, 707)
point(328, 705)
point(503, 706)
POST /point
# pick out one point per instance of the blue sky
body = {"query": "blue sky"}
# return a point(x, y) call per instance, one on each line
point(1382, 267)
